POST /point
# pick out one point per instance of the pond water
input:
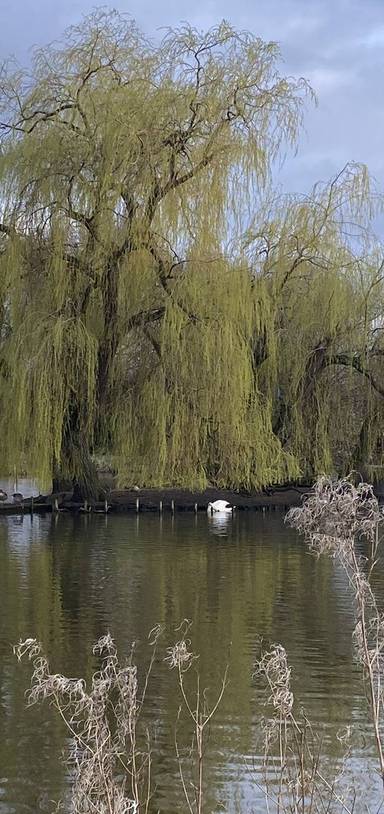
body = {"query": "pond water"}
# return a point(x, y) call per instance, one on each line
point(67, 580)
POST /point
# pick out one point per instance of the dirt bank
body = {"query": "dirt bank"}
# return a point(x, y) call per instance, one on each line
point(188, 500)
point(168, 499)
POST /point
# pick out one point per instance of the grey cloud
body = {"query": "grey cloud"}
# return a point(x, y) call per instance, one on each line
point(337, 44)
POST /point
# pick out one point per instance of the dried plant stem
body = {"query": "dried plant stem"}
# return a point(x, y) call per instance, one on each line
point(369, 657)
point(181, 658)
point(334, 518)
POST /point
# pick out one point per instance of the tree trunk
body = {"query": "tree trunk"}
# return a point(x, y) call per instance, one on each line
point(76, 461)
point(108, 346)
point(86, 485)
point(363, 449)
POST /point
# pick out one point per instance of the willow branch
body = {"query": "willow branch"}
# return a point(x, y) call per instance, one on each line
point(143, 318)
point(354, 361)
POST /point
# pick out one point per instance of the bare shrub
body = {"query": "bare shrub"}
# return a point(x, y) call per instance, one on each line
point(293, 778)
point(334, 519)
point(109, 755)
point(110, 760)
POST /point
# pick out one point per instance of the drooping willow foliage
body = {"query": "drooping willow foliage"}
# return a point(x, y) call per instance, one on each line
point(326, 273)
point(157, 304)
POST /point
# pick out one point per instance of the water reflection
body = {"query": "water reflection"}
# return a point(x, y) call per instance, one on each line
point(25, 486)
point(219, 523)
point(68, 579)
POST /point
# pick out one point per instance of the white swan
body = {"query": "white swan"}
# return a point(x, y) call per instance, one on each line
point(221, 506)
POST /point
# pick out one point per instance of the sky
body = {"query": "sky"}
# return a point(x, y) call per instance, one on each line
point(338, 45)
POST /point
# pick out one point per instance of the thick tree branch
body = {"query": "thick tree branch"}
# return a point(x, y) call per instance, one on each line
point(353, 360)
point(144, 318)
point(163, 278)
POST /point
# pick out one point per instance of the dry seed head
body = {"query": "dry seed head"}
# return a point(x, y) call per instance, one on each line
point(179, 656)
point(275, 668)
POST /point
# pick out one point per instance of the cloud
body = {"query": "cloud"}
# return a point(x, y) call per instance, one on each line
point(373, 38)
point(336, 44)
point(328, 80)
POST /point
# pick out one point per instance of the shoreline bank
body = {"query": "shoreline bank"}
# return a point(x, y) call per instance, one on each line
point(163, 500)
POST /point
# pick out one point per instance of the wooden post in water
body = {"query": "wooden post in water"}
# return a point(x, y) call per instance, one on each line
point(32, 504)
point(195, 508)
point(56, 505)
point(106, 506)
point(137, 505)
point(161, 507)
point(173, 506)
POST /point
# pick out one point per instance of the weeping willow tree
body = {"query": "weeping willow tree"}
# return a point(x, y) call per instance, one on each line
point(123, 168)
point(139, 315)
point(325, 272)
